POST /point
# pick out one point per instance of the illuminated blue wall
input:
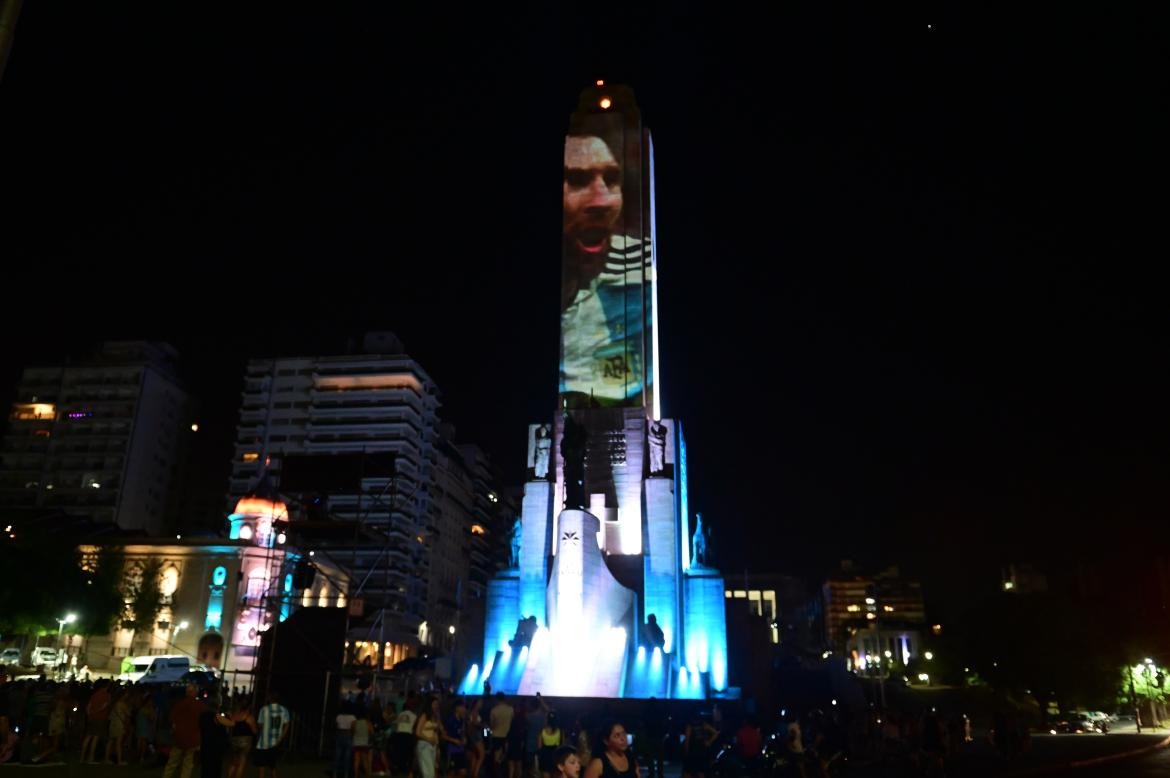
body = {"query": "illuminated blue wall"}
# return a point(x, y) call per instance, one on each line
point(705, 647)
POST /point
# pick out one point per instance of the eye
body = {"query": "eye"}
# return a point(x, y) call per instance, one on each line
point(612, 177)
point(578, 179)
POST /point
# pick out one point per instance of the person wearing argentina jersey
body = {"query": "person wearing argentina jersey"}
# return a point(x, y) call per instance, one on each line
point(274, 720)
point(601, 293)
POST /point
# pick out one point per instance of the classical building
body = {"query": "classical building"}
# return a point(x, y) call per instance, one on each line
point(105, 437)
point(217, 596)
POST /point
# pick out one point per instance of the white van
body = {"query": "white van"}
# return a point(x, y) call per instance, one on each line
point(166, 669)
point(133, 668)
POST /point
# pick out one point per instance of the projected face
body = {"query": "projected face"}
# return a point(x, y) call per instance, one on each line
point(593, 203)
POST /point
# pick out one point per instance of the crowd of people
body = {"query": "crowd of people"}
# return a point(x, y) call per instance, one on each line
point(105, 722)
point(446, 736)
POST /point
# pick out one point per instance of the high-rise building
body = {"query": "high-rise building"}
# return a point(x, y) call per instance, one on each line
point(875, 621)
point(106, 437)
point(355, 440)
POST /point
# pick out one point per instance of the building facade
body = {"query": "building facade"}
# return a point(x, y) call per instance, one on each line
point(106, 438)
point(877, 622)
point(217, 597)
point(355, 440)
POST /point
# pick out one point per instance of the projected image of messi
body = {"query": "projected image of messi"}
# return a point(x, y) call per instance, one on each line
point(602, 309)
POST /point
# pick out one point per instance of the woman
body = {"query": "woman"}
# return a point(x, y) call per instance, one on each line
point(613, 761)
point(476, 750)
point(428, 730)
point(362, 732)
point(551, 740)
point(565, 762)
point(242, 730)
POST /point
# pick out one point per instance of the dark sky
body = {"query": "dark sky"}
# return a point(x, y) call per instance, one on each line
point(912, 300)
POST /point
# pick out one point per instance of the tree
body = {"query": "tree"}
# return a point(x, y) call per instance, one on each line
point(143, 595)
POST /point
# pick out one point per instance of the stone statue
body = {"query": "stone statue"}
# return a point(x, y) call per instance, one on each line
point(517, 532)
point(653, 636)
point(699, 545)
point(525, 631)
point(543, 448)
point(573, 452)
point(657, 448)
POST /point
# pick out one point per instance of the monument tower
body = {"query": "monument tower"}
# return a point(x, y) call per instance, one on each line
point(603, 596)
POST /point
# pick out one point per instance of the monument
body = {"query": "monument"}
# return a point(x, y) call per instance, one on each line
point(602, 597)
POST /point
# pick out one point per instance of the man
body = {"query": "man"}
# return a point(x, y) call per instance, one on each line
point(185, 733)
point(601, 292)
point(97, 722)
point(455, 737)
point(274, 720)
point(500, 723)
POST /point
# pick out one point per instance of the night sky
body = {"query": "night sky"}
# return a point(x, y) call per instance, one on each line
point(913, 308)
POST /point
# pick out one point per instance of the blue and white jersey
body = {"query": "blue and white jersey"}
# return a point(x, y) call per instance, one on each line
point(272, 720)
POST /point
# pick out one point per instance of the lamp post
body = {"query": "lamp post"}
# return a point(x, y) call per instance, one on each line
point(69, 619)
point(182, 625)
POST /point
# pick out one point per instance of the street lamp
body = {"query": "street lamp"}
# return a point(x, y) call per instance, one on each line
point(69, 619)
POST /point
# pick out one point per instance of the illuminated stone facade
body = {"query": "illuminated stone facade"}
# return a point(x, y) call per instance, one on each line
point(602, 597)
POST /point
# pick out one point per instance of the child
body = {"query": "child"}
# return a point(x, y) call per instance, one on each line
point(566, 763)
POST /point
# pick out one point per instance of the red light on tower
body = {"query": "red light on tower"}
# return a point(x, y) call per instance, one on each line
point(605, 103)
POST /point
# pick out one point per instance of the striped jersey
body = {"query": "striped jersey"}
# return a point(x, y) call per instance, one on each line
point(272, 720)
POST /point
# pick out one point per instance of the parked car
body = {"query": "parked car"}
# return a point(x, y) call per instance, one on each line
point(1077, 724)
point(46, 656)
point(10, 656)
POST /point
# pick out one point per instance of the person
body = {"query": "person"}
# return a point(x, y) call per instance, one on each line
point(613, 761)
point(401, 745)
point(361, 737)
point(584, 750)
point(273, 723)
point(120, 721)
point(516, 741)
point(551, 739)
point(698, 738)
point(185, 733)
point(242, 731)
point(455, 738)
point(565, 763)
point(428, 731)
point(534, 724)
point(500, 723)
point(749, 744)
point(97, 722)
point(343, 740)
point(213, 742)
point(144, 722)
point(475, 745)
point(600, 315)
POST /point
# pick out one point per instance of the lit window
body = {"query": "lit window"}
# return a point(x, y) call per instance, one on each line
point(477, 529)
point(853, 608)
point(871, 616)
point(888, 608)
point(251, 456)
